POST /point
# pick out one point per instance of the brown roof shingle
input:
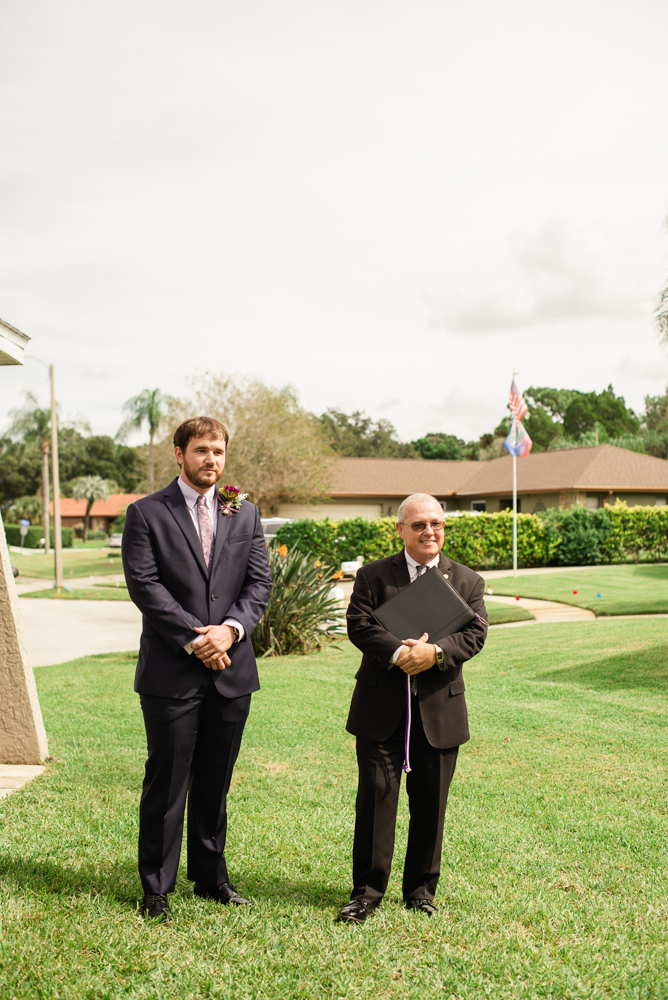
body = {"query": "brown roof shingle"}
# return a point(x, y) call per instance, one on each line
point(601, 467)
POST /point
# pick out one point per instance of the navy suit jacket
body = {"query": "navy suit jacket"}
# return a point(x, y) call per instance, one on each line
point(168, 581)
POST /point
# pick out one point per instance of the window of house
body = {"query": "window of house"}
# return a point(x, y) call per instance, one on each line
point(507, 504)
point(479, 505)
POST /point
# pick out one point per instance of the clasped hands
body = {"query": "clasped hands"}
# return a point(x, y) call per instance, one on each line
point(416, 655)
point(211, 647)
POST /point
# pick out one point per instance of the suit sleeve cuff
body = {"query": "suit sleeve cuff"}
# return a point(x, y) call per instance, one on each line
point(237, 624)
point(395, 654)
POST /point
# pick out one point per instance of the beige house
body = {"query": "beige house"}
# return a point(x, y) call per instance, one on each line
point(594, 477)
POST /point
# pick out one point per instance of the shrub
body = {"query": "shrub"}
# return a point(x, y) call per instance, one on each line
point(97, 536)
point(580, 532)
point(31, 541)
point(479, 540)
point(300, 616)
point(338, 541)
point(119, 524)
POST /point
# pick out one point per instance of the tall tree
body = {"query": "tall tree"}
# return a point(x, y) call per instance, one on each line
point(439, 445)
point(149, 407)
point(32, 424)
point(277, 450)
point(357, 435)
point(90, 489)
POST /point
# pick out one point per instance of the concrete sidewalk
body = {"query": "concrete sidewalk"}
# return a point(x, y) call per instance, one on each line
point(57, 631)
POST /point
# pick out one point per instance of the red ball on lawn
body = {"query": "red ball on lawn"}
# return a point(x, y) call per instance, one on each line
point(575, 591)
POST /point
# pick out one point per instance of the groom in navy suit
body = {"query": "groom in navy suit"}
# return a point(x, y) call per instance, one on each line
point(197, 569)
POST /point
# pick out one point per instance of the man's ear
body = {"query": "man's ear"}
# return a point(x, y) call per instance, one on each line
point(178, 454)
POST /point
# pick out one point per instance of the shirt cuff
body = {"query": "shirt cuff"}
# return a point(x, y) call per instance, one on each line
point(188, 648)
point(395, 654)
point(237, 624)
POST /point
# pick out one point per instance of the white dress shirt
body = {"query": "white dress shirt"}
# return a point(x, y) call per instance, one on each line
point(191, 496)
point(413, 573)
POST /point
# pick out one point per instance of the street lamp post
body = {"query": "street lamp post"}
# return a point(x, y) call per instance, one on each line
point(55, 479)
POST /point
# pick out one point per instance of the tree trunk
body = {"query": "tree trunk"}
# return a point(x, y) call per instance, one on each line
point(45, 493)
point(150, 466)
point(86, 521)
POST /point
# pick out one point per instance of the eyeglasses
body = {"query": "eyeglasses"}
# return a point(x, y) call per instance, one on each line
point(419, 526)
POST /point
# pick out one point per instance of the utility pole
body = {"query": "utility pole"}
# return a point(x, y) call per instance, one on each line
point(55, 479)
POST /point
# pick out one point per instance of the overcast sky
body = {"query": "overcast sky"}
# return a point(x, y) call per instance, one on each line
point(386, 204)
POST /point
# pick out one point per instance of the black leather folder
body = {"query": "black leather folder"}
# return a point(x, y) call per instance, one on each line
point(430, 604)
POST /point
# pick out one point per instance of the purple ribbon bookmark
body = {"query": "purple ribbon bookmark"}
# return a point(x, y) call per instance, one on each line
point(407, 738)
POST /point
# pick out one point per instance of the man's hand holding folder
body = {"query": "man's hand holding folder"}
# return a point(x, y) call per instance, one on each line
point(416, 655)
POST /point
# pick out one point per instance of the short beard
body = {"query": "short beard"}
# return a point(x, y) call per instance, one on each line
point(196, 479)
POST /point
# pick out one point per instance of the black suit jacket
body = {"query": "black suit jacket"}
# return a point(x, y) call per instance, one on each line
point(379, 698)
point(168, 581)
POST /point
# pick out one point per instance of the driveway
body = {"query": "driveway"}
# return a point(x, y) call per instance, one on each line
point(57, 631)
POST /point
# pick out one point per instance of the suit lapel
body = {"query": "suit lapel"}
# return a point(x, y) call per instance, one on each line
point(444, 566)
point(400, 571)
point(222, 528)
point(176, 503)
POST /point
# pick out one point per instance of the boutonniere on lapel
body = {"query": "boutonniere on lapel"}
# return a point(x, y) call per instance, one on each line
point(230, 499)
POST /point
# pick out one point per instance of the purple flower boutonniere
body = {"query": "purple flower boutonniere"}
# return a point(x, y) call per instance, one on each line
point(230, 499)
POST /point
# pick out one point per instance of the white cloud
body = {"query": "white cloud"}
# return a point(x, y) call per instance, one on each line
point(561, 272)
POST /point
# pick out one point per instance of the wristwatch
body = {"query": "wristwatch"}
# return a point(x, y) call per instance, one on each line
point(440, 657)
point(236, 631)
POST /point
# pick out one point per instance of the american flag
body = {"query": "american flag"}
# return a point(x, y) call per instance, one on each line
point(517, 405)
point(518, 441)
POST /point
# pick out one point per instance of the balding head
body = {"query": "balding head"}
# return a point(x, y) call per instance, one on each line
point(416, 511)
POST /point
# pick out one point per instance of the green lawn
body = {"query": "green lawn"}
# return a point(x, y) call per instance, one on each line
point(555, 881)
point(624, 590)
point(499, 614)
point(76, 562)
point(101, 593)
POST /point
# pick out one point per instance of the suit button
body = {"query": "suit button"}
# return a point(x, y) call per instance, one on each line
point(213, 597)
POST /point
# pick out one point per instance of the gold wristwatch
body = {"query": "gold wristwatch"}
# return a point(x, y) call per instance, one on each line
point(440, 657)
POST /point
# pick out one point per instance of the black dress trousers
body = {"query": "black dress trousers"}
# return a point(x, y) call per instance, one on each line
point(193, 745)
point(427, 786)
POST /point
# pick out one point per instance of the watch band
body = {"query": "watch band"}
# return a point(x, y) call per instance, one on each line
point(440, 656)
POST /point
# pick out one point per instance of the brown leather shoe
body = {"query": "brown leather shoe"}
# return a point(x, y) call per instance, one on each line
point(224, 893)
point(426, 906)
point(354, 912)
point(155, 907)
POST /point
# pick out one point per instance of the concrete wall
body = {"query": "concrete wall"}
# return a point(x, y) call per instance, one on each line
point(337, 511)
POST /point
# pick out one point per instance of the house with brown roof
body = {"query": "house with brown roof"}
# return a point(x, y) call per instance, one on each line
point(593, 477)
point(103, 512)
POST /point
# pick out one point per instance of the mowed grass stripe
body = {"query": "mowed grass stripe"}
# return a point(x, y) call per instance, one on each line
point(624, 590)
point(555, 870)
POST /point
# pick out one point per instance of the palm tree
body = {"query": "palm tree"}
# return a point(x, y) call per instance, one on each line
point(661, 315)
point(150, 407)
point(90, 489)
point(33, 425)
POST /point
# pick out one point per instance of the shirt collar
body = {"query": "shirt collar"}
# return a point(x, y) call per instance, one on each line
point(190, 495)
point(414, 565)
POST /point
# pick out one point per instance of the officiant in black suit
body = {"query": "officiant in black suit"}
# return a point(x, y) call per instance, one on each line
point(196, 567)
point(378, 714)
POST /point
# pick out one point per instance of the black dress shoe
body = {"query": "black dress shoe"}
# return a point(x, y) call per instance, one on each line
point(223, 893)
point(354, 912)
point(156, 907)
point(426, 906)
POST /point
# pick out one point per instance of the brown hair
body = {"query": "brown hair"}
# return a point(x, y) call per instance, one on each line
point(199, 427)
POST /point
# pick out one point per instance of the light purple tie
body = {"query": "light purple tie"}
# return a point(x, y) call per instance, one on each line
point(205, 530)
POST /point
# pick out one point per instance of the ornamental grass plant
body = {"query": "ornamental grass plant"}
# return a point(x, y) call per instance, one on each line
point(301, 616)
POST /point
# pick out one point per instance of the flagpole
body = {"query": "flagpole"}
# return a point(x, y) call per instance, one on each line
point(514, 502)
point(514, 515)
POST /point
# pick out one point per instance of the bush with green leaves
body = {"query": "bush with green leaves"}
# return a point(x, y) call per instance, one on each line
point(337, 541)
point(479, 540)
point(31, 540)
point(301, 616)
point(573, 537)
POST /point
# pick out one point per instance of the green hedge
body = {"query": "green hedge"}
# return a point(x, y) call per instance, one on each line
point(572, 537)
point(31, 541)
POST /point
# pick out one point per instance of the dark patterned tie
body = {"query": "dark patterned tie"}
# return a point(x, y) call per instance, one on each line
point(205, 530)
point(419, 570)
